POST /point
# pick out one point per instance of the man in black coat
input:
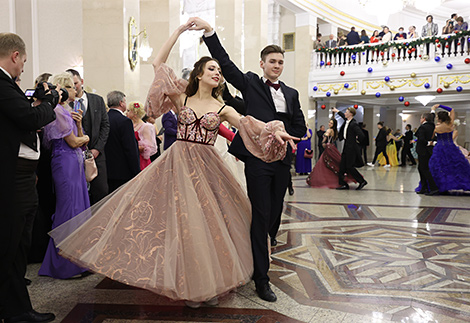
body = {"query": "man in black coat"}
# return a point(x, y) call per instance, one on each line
point(351, 158)
point(320, 134)
point(407, 144)
point(18, 197)
point(96, 125)
point(353, 37)
point(381, 144)
point(122, 150)
point(365, 143)
point(424, 147)
point(170, 124)
point(266, 99)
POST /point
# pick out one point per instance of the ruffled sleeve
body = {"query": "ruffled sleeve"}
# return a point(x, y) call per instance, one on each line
point(164, 85)
point(259, 139)
point(61, 127)
point(147, 140)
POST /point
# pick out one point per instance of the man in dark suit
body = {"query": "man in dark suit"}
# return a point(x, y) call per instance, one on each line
point(407, 143)
point(96, 125)
point(331, 43)
point(351, 158)
point(122, 150)
point(424, 147)
point(381, 144)
point(320, 134)
point(353, 37)
point(170, 124)
point(266, 99)
point(18, 197)
point(365, 143)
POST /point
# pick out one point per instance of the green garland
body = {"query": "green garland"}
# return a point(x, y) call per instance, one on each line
point(382, 47)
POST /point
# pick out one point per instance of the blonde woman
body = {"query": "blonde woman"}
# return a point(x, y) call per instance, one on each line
point(144, 133)
point(65, 138)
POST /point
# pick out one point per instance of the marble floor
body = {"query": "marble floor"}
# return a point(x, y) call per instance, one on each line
point(383, 254)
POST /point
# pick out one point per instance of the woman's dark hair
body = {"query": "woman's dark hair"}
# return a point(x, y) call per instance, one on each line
point(363, 32)
point(443, 116)
point(376, 32)
point(335, 128)
point(198, 70)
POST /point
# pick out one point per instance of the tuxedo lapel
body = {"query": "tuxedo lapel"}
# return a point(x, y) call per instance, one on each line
point(265, 92)
point(287, 96)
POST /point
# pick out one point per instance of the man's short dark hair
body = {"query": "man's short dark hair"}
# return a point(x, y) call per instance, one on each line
point(10, 43)
point(269, 50)
point(353, 28)
point(432, 18)
point(381, 123)
point(401, 28)
point(408, 126)
point(428, 116)
point(453, 15)
point(74, 73)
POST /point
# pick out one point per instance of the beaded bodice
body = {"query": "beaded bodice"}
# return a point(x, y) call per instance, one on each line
point(445, 138)
point(202, 130)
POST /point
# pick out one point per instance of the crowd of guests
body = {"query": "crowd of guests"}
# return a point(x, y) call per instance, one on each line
point(430, 28)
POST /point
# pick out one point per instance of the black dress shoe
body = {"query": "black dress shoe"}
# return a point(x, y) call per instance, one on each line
point(291, 191)
point(343, 187)
point(432, 193)
point(265, 293)
point(422, 192)
point(402, 165)
point(273, 242)
point(27, 281)
point(361, 186)
point(30, 316)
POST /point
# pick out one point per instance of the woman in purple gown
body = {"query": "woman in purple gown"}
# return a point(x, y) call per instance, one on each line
point(303, 165)
point(65, 138)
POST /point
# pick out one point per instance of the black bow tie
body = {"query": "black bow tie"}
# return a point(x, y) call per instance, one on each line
point(275, 86)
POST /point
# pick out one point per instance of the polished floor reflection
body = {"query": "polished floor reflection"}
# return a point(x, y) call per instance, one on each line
point(383, 254)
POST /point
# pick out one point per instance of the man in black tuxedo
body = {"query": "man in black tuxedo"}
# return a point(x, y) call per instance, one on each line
point(365, 143)
point(266, 99)
point(424, 147)
point(19, 121)
point(320, 134)
point(170, 124)
point(407, 143)
point(351, 158)
point(122, 150)
point(381, 144)
point(96, 125)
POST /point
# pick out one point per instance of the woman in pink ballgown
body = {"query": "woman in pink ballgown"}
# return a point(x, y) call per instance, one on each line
point(325, 172)
point(181, 228)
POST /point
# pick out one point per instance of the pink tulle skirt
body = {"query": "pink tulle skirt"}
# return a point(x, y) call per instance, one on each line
point(181, 228)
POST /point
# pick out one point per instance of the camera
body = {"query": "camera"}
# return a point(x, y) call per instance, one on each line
point(51, 96)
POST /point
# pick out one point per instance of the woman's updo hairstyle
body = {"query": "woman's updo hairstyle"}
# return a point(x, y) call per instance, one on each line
point(198, 71)
point(137, 109)
point(443, 116)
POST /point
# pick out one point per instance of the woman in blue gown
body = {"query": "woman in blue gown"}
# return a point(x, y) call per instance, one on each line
point(303, 165)
point(449, 168)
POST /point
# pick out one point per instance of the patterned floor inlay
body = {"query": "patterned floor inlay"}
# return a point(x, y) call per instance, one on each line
point(97, 313)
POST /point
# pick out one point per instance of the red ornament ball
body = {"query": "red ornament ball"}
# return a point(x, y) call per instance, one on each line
point(323, 106)
point(413, 49)
point(467, 60)
point(407, 103)
point(458, 44)
point(439, 90)
point(328, 63)
point(437, 40)
point(342, 73)
point(439, 45)
point(447, 46)
point(382, 53)
point(356, 106)
point(393, 54)
point(420, 56)
point(409, 51)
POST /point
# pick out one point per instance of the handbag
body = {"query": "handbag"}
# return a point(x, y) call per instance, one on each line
point(308, 153)
point(91, 171)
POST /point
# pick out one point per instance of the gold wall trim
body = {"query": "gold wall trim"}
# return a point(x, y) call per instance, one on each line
point(399, 83)
point(337, 87)
point(450, 79)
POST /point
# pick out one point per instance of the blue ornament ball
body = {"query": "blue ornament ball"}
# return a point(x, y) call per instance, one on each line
point(401, 99)
point(427, 85)
point(315, 88)
point(449, 66)
point(459, 89)
point(346, 85)
point(437, 58)
point(353, 56)
point(328, 94)
point(370, 69)
point(322, 63)
point(387, 78)
point(377, 94)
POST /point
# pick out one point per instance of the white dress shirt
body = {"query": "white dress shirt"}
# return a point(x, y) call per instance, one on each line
point(278, 97)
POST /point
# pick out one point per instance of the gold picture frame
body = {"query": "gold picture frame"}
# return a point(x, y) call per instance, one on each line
point(288, 42)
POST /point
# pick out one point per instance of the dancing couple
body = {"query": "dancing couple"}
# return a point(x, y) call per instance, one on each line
point(184, 227)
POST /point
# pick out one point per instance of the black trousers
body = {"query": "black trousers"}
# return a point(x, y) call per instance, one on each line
point(364, 153)
point(406, 152)
point(427, 182)
point(351, 170)
point(378, 150)
point(26, 201)
point(99, 185)
point(266, 186)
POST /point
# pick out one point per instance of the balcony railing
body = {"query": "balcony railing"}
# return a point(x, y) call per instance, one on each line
point(426, 48)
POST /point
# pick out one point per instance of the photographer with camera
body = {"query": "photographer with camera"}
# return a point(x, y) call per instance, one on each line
point(19, 121)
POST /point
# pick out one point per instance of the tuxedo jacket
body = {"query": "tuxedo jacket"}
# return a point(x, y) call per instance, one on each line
point(122, 150)
point(170, 123)
point(407, 138)
point(352, 140)
point(381, 139)
point(96, 123)
point(425, 133)
point(258, 100)
point(365, 143)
